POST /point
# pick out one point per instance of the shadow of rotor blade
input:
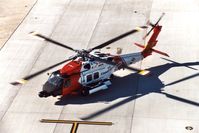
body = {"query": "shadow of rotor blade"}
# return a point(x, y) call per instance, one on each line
point(183, 79)
point(100, 112)
point(183, 64)
point(180, 99)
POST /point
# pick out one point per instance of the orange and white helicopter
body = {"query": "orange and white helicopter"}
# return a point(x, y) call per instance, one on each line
point(89, 70)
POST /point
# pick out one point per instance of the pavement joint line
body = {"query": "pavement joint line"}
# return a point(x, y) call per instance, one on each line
point(1, 47)
point(7, 108)
point(132, 117)
point(96, 24)
point(65, 10)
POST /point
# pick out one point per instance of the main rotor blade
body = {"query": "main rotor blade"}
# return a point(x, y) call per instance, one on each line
point(101, 60)
point(119, 37)
point(51, 40)
point(25, 79)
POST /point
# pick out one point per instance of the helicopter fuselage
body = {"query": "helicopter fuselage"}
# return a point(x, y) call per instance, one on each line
point(90, 71)
point(86, 76)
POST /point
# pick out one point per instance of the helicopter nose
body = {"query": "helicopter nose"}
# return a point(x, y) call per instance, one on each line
point(48, 87)
point(46, 90)
point(49, 90)
point(43, 94)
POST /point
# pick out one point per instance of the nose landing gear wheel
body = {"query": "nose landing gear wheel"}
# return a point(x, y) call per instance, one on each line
point(43, 94)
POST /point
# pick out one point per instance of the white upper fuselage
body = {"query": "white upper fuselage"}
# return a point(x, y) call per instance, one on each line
point(93, 71)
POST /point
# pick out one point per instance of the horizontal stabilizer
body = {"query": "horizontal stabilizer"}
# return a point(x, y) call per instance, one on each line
point(160, 52)
point(139, 45)
point(154, 50)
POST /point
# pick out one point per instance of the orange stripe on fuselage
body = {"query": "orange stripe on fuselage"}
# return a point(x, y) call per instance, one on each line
point(72, 70)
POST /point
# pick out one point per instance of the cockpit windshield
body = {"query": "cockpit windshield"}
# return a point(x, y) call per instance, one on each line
point(55, 79)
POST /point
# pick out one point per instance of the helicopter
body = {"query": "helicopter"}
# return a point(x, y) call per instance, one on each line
point(90, 71)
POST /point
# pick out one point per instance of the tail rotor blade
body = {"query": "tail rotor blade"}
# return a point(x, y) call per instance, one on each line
point(160, 52)
point(153, 25)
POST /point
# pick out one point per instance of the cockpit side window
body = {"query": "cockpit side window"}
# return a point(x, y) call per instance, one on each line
point(87, 66)
point(55, 79)
point(110, 58)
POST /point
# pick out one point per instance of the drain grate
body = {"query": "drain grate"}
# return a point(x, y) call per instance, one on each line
point(189, 127)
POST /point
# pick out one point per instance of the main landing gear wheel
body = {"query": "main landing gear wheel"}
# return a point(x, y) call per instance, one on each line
point(84, 92)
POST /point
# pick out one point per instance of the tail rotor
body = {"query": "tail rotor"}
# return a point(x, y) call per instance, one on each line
point(153, 25)
point(148, 49)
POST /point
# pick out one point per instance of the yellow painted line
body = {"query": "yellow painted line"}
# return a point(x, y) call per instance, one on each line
point(75, 123)
point(74, 127)
point(79, 122)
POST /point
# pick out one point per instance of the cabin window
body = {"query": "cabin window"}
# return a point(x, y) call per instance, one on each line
point(96, 75)
point(110, 58)
point(87, 66)
point(66, 83)
point(89, 77)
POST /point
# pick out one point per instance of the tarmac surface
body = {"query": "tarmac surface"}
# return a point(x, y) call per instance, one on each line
point(12, 14)
point(165, 101)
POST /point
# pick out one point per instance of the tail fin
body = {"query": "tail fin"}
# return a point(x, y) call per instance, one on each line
point(148, 49)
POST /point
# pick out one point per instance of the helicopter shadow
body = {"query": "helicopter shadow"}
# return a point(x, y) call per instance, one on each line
point(121, 87)
point(127, 86)
point(152, 84)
